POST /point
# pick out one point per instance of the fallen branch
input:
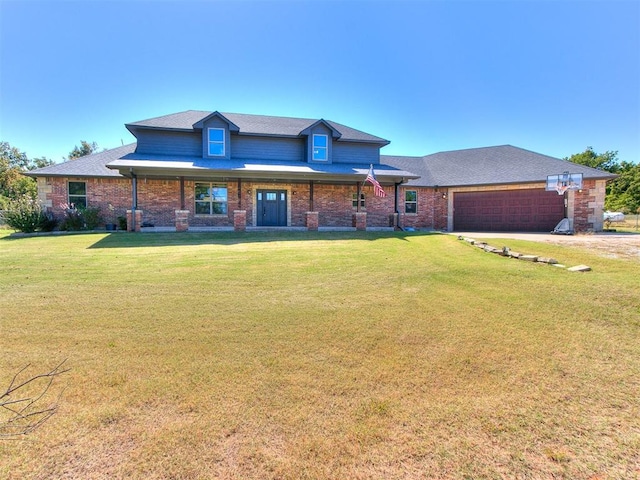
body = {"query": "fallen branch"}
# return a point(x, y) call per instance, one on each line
point(21, 400)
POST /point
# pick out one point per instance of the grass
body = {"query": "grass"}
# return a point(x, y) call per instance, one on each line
point(631, 224)
point(327, 355)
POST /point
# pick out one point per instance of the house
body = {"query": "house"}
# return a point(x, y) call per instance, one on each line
point(205, 170)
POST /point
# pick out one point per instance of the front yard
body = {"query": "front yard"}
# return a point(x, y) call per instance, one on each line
point(326, 355)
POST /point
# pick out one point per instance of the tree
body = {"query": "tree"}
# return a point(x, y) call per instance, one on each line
point(623, 193)
point(607, 161)
point(85, 148)
point(13, 184)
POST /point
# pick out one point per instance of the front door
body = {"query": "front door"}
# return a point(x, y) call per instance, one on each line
point(272, 208)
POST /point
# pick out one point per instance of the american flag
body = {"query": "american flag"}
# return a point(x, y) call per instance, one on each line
point(378, 191)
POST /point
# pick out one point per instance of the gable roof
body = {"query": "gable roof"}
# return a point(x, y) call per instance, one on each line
point(249, 124)
point(504, 164)
point(93, 165)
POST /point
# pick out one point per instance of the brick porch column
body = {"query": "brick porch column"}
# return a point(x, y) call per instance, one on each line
point(138, 221)
point(239, 220)
point(182, 220)
point(312, 221)
point(360, 220)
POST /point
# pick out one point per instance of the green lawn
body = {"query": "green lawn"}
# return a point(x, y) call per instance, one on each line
point(321, 356)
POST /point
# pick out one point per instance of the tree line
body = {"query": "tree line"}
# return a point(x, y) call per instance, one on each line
point(623, 193)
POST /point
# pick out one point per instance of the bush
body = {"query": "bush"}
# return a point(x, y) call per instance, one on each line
point(72, 220)
point(25, 215)
point(49, 222)
point(122, 223)
point(80, 218)
point(92, 217)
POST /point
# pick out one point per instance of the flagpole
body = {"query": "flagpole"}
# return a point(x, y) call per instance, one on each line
point(367, 175)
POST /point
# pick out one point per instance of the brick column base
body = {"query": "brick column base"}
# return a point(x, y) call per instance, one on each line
point(131, 226)
point(239, 220)
point(312, 221)
point(360, 220)
point(182, 220)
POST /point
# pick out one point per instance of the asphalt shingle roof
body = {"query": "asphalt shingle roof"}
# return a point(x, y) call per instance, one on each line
point(254, 125)
point(503, 164)
point(93, 165)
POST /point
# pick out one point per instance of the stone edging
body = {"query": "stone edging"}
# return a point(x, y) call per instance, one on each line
point(507, 252)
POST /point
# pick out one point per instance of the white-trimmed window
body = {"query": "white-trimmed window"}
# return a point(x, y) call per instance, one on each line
point(77, 194)
point(410, 201)
point(211, 199)
point(320, 147)
point(354, 200)
point(215, 137)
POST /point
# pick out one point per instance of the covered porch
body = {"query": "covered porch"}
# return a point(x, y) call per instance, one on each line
point(196, 195)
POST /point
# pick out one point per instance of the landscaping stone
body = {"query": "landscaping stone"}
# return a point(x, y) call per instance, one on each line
point(559, 265)
point(548, 260)
point(528, 258)
point(580, 268)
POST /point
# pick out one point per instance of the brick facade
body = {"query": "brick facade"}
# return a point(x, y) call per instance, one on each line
point(111, 195)
point(159, 199)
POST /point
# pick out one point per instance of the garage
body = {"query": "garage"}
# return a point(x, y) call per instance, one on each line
point(527, 210)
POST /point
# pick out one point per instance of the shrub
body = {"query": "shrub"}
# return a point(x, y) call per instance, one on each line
point(24, 214)
point(122, 223)
point(92, 217)
point(49, 222)
point(84, 218)
point(72, 220)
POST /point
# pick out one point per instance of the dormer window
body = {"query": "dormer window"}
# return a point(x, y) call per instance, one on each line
point(216, 142)
point(320, 147)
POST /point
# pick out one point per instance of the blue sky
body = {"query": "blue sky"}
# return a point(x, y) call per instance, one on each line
point(549, 76)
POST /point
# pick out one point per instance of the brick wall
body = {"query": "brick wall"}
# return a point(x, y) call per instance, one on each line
point(159, 199)
point(111, 195)
point(431, 209)
point(588, 205)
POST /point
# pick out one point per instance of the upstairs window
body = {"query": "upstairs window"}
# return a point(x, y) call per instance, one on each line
point(411, 201)
point(216, 142)
point(78, 194)
point(211, 199)
point(320, 143)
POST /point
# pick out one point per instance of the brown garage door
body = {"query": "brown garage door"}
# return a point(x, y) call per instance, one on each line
point(507, 211)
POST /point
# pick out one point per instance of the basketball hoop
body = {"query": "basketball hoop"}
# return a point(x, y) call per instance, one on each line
point(563, 182)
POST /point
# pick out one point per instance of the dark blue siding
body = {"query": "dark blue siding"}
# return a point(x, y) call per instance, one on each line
point(344, 152)
point(267, 148)
point(216, 122)
point(169, 143)
point(320, 129)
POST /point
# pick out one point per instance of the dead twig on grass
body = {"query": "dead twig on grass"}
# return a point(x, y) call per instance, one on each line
point(20, 404)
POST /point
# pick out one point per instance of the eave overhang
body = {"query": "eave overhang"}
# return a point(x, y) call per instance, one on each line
point(251, 169)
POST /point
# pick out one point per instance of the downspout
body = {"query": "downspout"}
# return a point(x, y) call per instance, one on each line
point(134, 195)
